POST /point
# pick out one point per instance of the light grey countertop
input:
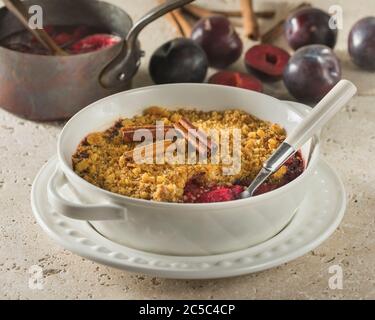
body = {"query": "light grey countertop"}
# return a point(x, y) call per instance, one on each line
point(348, 145)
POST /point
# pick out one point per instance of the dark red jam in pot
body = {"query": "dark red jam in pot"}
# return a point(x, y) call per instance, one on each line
point(73, 39)
point(195, 192)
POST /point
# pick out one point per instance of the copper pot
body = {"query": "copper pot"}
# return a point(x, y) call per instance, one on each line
point(45, 88)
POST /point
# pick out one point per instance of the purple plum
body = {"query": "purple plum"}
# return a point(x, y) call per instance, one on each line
point(362, 43)
point(218, 38)
point(311, 72)
point(309, 26)
point(179, 60)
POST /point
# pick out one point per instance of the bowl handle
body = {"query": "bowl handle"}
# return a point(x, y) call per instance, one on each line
point(86, 212)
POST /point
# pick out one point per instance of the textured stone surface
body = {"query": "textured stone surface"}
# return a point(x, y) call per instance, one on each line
point(348, 145)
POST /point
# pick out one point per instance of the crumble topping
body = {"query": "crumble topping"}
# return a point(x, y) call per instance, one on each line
point(100, 160)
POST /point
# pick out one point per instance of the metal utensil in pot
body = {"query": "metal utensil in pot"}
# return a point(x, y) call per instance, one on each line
point(45, 88)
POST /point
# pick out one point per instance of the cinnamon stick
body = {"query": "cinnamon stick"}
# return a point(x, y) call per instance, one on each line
point(183, 23)
point(266, 14)
point(196, 137)
point(158, 149)
point(200, 12)
point(250, 22)
point(128, 133)
point(278, 28)
point(174, 22)
point(237, 23)
point(186, 130)
point(197, 11)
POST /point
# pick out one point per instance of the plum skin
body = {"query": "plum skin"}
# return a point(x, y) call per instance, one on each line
point(309, 26)
point(361, 43)
point(178, 61)
point(219, 39)
point(311, 73)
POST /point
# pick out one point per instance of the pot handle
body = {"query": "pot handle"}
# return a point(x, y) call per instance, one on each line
point(125, 65)
point(101, 212)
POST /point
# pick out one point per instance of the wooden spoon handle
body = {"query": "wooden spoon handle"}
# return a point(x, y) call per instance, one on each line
point(19, 10)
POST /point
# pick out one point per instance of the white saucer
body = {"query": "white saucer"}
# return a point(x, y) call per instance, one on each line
point(318, 217)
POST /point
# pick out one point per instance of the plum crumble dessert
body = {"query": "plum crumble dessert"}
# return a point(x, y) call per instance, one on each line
point(106, 160)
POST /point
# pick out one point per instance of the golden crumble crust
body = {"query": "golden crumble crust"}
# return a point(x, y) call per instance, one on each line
point(99, 157)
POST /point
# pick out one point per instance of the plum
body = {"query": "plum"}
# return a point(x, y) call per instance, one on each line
point(309, 26)
point(311, 72)
point(218, 38)
point(266, 61)
point(362, 43)
point(179, 60)
point(236, 79)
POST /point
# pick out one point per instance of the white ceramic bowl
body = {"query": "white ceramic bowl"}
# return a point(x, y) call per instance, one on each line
point(171, 228)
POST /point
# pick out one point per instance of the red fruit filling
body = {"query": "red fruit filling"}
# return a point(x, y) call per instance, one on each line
point(267, 60)
point(236, 79)
point(197, 192)
point(94, 42)
point(295, 167)
point(62, 38)
point(68, 37)
point(73, 39)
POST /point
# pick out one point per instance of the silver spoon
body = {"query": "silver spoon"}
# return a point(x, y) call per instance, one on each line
point(337, 98)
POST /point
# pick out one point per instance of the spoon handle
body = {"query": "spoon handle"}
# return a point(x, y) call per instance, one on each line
point(338, 97)
point(322, 113)
point(19, 10)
